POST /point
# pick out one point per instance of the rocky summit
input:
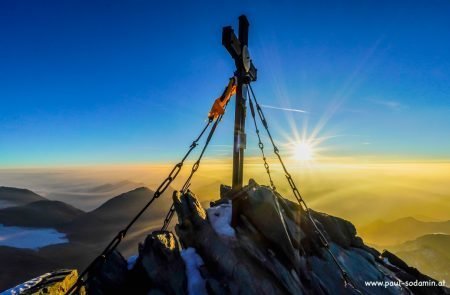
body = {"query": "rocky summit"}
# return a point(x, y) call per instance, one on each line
point(254, 241)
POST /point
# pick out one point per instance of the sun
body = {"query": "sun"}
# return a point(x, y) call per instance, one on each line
point(303, 151)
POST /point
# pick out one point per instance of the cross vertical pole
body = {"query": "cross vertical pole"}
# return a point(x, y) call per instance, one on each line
point(245, 73)
point(240, 111)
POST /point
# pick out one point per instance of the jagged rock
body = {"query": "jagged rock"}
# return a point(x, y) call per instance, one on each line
point(339, 231)
point(109, 276)
point(262, 209)
point(224, 190)
point(54, 283)
point(160, 260)
point(277, 246)
point(225, 260)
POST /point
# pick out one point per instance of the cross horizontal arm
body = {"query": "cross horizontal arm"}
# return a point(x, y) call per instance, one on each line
point(234, 47)
point(231, 42)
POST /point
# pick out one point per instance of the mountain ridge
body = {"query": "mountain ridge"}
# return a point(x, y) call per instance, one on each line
point(394, 232)
point(44, 213)
point(429, 253)
point(12, 196)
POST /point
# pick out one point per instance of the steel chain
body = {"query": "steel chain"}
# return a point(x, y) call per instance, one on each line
point(300, 200)
point(168, 218)
point(261, 145)
point(194, 169)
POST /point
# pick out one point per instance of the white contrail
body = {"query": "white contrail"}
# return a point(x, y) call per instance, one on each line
point(283, 109)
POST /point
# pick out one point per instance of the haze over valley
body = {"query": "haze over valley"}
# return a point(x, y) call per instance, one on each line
point(76, 211)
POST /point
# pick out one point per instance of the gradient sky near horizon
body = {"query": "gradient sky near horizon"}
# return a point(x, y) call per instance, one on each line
point(107, 82)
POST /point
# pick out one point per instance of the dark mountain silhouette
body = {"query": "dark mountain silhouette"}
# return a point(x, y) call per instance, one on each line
point(405, 229)
point(429, 253)
point(100, 225)
point(39, 214)
point(89, 198)
point(11, 196)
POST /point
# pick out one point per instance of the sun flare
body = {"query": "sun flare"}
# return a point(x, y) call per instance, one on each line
point(303, 151)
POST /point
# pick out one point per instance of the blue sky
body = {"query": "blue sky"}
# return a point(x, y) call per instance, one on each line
point(100, 82)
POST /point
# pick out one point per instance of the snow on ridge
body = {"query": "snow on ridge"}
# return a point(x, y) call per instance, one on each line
point(192, 261)
point(131, 262)
point(220, 219)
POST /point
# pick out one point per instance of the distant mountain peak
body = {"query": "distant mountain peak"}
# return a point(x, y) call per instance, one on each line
point(9, 189)
point(12, 196)
point(42, 213)
point(139, 189)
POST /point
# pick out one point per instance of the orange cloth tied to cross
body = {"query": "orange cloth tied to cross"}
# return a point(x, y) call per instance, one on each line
point(220, 103)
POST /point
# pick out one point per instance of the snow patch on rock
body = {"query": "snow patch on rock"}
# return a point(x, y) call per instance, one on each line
point(220, 219)
point(131, 261)
point(196, 283)
point(386, 260)
point(19, 289)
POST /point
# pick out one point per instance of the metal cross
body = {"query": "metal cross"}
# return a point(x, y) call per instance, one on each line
point(245, 73)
